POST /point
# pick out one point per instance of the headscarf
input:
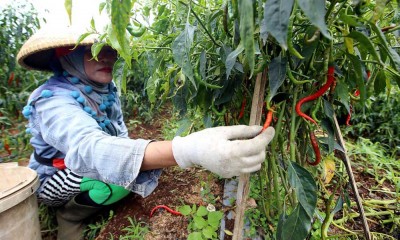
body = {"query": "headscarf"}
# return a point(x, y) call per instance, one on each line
point(103, 93)
point(73, 64)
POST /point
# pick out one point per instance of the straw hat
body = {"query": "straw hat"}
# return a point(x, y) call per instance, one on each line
point(38, 50)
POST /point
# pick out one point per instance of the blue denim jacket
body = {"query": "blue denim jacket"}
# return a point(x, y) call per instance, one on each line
point(61, 128)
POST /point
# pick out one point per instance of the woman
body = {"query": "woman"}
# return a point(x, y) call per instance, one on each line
point(82, 152)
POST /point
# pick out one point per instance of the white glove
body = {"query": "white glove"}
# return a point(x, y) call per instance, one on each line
point(226, 151)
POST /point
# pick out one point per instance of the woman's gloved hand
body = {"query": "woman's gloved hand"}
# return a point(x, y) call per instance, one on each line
point(226, 151)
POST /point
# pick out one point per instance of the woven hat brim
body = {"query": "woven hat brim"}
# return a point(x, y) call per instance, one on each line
point(38, 50)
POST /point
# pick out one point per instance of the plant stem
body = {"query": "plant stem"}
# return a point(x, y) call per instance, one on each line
point(344, 229)
point(328, 215)
point(158, 48)
point(368, 214)
point(278, 130)
point(275, 181)
point(261, 180)
point(292, 133)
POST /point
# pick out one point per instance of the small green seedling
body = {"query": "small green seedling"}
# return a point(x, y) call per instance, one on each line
point(204, 222)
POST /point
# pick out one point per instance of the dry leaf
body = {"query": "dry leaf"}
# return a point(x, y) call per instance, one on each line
point(229, 233)
point(329, 169)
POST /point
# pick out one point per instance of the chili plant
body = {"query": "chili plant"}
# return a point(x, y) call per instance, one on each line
point(205, 56)
point(18, 21)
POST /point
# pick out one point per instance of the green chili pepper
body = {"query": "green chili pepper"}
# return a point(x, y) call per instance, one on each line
point(291, 48)
point(136, 32)
point(293, 79)
point(199, 79)
point(221, 113)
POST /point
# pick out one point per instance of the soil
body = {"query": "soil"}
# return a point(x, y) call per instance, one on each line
point(176, 188)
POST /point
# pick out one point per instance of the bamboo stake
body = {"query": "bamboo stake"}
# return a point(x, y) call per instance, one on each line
point(243, 186)
point(346, 160)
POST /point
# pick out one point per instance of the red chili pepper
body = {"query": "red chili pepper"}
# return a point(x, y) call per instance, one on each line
point(7, 148)
point(317, 152)
point(11, 78)
point(349, 116)
point(322, 90)
point(166, 208)
point(242, 108)
point(268, 119)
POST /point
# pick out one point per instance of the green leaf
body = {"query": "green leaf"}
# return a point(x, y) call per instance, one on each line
point(304, 185)
point(328, 108)
point(161, 25)
point(214, 218)
point(343, 94)
point(358, 76)
point(119, 74)
point(184, 126)
point(366, 43)
point(209, 232)
point(202, 211)
point(113, 41)
point(277, 74)
point(392, 54)
point(199, 222)
point(181, 51)
point(296, 226)
point(338, 206)
point(315, 11)
point(82, 37)
point(179, 99)
point(194, 208)
point(68, 8)
point(246, 29)
point(330, 140)
point(92, 24)
point(378, 10)
point(195, 236)
point(276, 20)
point(393, 75)
point(380, 82)
point(350, 20)
point(231, 59)
point(120, 14)
point(151, 89)
point(96, 48)
point(185, 210)
point(101, 6)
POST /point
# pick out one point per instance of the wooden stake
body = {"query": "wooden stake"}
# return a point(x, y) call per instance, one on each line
point(346, 160)
point(243, 186)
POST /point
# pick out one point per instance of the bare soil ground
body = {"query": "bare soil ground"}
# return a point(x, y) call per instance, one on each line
point(176, 188)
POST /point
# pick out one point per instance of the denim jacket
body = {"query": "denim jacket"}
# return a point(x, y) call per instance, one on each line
point(61, 128)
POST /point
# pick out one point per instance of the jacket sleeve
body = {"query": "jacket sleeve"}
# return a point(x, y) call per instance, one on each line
point(89, 151)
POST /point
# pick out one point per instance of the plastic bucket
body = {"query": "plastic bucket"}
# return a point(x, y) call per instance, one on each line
point(19, 215)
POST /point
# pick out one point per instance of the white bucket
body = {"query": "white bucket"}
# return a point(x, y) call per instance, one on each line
point(19, 215)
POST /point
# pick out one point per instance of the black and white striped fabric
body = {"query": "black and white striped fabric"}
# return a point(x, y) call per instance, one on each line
point(60, 188)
